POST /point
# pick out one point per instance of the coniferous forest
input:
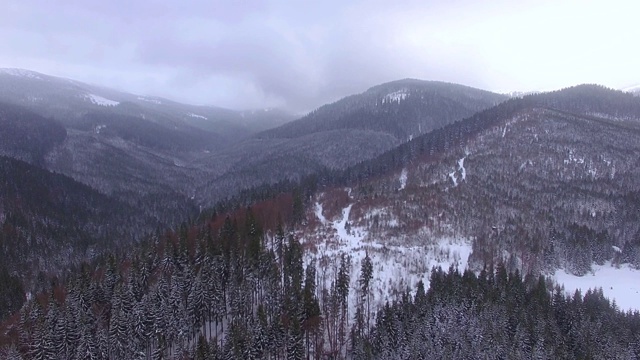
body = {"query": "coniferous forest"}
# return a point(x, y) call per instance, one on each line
point(231, 289)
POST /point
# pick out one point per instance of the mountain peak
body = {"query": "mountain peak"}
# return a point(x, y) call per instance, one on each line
point(21, 73)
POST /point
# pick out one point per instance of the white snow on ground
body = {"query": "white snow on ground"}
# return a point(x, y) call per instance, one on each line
point(396, 268)
point(463, 171)
point(155, 101)
point(99, 100)
point(20, 73)
point(319, 213)
point(403, 179)
point(99, 127)
point(197, 116)
point(452, 175)
point(619, 284)
point(504, 131)
point(397, 96)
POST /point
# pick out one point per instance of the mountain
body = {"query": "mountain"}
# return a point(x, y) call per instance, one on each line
point(135, 148)
point(339, 135)
point(404, 109)
point(51, 222)
point(547, 183)
point(69, 101)
point(26, 135)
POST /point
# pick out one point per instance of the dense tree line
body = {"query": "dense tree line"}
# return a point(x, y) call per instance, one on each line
point(498, 315)
point(202, 294)
point(26, 135)
point(235, 293)
point(50, 223)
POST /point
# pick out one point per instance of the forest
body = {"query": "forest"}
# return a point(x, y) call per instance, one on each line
point(232, 288)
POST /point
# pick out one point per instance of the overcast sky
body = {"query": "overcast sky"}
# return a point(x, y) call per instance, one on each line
point(301, 54)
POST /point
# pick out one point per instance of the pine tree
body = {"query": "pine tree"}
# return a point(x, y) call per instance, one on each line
point(366, 274)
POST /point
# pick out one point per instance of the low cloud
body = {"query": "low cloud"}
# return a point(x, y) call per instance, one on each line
point(299, 56)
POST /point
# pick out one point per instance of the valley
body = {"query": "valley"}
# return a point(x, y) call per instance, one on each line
point(138, 227)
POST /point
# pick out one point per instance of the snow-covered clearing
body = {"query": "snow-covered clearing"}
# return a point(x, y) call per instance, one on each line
point(397, 96)
point(620, 284)
point(154, 101)
point(99, 100)
point(395, 268)
point(463, 171)
point(403, 179)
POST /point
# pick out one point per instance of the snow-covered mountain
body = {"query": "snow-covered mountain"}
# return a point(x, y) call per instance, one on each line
point(70, 100)
point(538, 184)
point(544, 184)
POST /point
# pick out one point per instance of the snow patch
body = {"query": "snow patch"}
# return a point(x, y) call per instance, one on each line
point(99, 127)
point(319, 214)
point(396, 96)
point(99, 100)
point(197, 116)
point(154, 101)
point(504, 131)
point(21, 73)
point(452, 175)
point(620, 284)
point(403, 179)
point(463, 171)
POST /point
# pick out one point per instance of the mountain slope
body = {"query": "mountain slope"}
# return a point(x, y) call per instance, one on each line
point(546, 183)
point(403, 108)
point(51, 222)
point(26, 135)
point(69, 100)
point(533, 185)
point(339, 135)
point(133, 147)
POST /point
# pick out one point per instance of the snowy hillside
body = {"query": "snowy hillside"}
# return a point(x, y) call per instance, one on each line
point(399, 263)
point(397, 267)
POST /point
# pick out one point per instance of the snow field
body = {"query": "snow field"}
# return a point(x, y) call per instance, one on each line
point(395, 268)
point(621, 284)
point(99, 100)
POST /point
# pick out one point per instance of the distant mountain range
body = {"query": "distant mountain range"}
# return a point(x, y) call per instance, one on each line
point(133, 147)
point(338, 135)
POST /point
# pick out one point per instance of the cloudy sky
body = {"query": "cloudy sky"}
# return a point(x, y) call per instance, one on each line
point(301, 54)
